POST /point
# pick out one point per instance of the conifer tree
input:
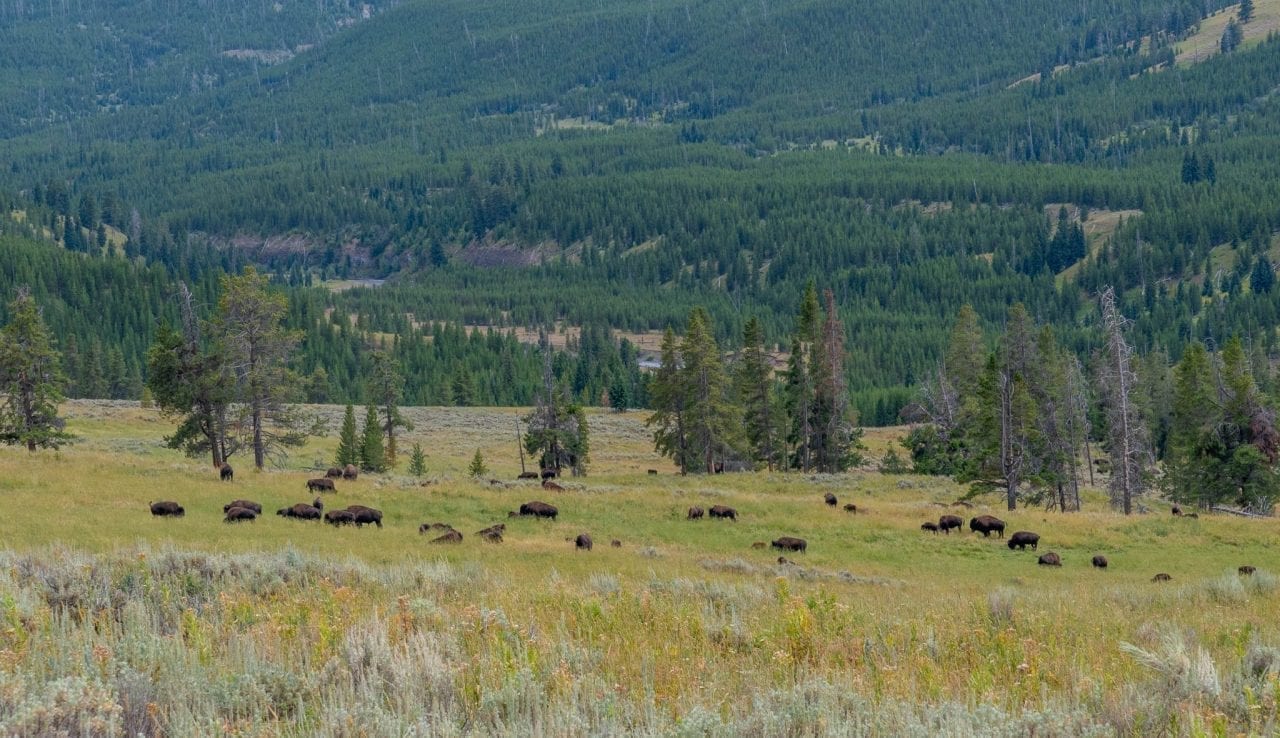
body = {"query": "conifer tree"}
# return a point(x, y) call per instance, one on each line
point(348, 442)
point(385, 388)
point(755, 390)
point(1126, 430)
point(477, 467)
point(417, 461)
point(711, 419)
point(372, 455)
point(31, 379)
point(667, 398)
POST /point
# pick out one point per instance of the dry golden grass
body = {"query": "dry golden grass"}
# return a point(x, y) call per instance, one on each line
point(1206, 41)
point(878, 625)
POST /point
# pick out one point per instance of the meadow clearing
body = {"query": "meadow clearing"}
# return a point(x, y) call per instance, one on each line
point(113, 622)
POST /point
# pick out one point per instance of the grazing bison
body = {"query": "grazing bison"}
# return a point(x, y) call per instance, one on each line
point(1023, 538)
point(850, 508)
point(450, 536)
point(1175, 510)
point(947, 522)
point(492, 534)
point(225, 472)
point(1162, 577)
point(527, 475)
point(1246, 570)
point(239, 514)
point(248, 504)
point(340, 517)
point(830, 499)
point(695, 513)
point(550, 485)
point(365, 515)
point(539, 509)
point(333, 472)
point(167, 508)
point(653, 472)
point(582, 541)
point(722, 511)
point(787, 543)
point(550, 473)
point(350, 472)
point(1099, 562)
point(616, 543)
point(784, 561)
point(986, 525)
point(758, 544)
point(321, 485)
point(1050, 559)
point(302, 511)
point(931, 527)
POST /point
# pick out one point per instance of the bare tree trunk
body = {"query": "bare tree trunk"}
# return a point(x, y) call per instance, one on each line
point(1129, 453)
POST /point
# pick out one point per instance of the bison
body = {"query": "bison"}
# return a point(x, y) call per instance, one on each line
point(539, 509)
point(583, 541)
point(527, 475)
point(787, 543)
point(1099, 561)
point(450, 536)
point(851, 508)
point(350, 472)
point(550, 473)
point(547, 484)
point(1162, 577)
point(428, 527)
point(247, 504)
point(930, 527)
point(1246, 570)
point(695, 513)
point(333, 472)
point(722, 511)
point(1023, 538)
point(323, 484)
point(302, 511)
point(616, 543)
point(1049, 559)
point(340, 517)
point(986, 525)
point(947, 522)
point(492, 534)
point(225, 472)
point(365, 515)
point(239, 514)
point(167, 508)
point(653, 472)
point(1175, 510)
point(830, 499)
point(784, 561)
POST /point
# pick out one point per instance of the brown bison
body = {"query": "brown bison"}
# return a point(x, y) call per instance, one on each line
point(695, 513)
point(653, 472)
point(539, 509)
point(787, 543)
point(582, 541)
point(1162, 577)
point(1099, 561)
point(616, 543)
point(364, 515)
point(492, 534)
point(323, 484)
point(340, 517)
point(851, 508)
point(930, 527)
point(1246, 570)
point(302, 511)
point(550, 473)
point(1050, 559)
point(248, 504)
point(1175, 510)
point(527, 475)
point(784, 561)
point(722, 511)
point(333, 472)
point(986, 525)
point(167, 508)
point(428, 527)
point(350, 472)
point(450, 536)
point(1023, 538)
point(239, 514)
point(830, 499)
point(947, 522)
point(225, 472)
point(547, 484)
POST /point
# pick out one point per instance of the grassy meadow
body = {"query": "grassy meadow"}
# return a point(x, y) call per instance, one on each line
point(113, 622)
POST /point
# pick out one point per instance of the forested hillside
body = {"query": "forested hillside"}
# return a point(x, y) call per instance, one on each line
point(614, 164)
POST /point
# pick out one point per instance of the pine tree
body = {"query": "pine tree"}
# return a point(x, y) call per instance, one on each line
point(417, 461)
point(833, 437)
point(477, 468)
point(1126, 431)
point(755, 389)
point(710, 418)
point(348, 442)
point(1263, 277)
point(31, 379)
point(557, 429)
point(1245, 13)
point(385, 387)
point(666, 396)
point(372, 455)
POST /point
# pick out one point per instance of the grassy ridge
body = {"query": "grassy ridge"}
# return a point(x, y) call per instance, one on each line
point(289, 628)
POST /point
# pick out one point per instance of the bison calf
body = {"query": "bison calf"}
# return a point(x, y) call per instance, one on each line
point(450, 536)
point(340, 517)
point(583, 541)
point(1023, 538)
point(547, 484)
point(1162, 577)
point(850, 508)
point(1246, 570)
point(1050, 559)
point(930, 527)
point(787, 543)
point(1100, 562)
point(167, 508)
point(947, 522)
point(695, 513)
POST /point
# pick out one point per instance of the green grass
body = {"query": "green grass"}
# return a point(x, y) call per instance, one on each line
point(684, 628)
